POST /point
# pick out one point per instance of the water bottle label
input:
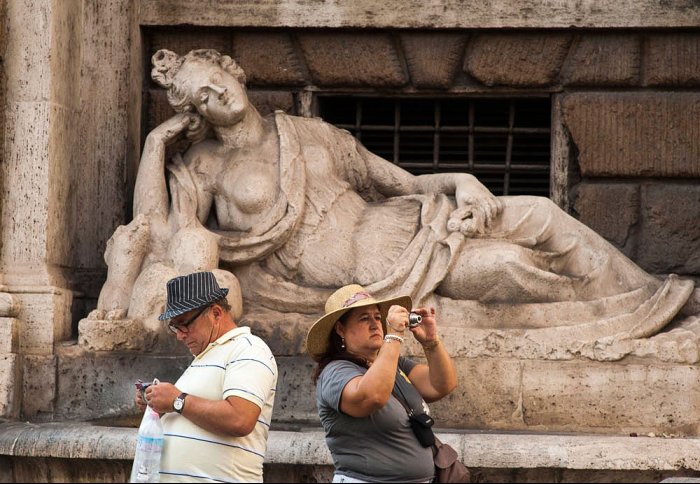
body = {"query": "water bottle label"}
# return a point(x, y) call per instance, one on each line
point(149, 444)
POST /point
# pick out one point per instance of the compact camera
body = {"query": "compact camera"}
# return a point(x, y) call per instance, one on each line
point(414, 319)
point(141, 386)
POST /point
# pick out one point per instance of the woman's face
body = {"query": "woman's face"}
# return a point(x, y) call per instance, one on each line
point(362, 331)
point(215, 93)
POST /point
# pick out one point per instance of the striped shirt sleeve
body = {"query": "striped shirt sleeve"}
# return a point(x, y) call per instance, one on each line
point(251, 375)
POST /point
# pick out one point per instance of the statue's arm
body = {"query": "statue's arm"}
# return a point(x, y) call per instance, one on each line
point(150, 192)
point(390, 180)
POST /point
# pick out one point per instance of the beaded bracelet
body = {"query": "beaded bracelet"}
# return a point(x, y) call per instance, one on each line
point(393, 337)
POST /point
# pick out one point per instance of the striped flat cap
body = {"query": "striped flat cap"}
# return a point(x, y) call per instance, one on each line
point(189, 292)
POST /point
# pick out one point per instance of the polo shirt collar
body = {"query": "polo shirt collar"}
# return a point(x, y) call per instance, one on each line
point(225, 338)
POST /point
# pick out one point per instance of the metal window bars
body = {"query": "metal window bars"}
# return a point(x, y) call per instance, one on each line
point(503, 142)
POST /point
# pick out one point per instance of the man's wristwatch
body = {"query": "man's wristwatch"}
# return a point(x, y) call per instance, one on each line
point(179, 403)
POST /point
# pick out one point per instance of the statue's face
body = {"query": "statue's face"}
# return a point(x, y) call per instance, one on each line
point(216, 94)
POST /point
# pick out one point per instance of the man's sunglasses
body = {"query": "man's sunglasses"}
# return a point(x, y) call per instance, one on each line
point(184, 327)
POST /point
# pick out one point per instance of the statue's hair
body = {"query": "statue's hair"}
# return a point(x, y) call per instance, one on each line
point(166, 65)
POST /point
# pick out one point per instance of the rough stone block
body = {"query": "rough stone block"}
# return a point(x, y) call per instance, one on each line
point(609, 209)
point(611, 398)
point(433, 57)
point(93, 385)
point(10, 378)
point(488, 396)
point(635, 134)
point(520, 59)
point(181, 41)
point(39, 385)
point(604, 60)
point(112, 335)
point(270, 101)
point(672, 59)
point(295, 399)
point(268, 58)
point(46, 319)
point(350, 59)
point(669, 239)
point(9, 335)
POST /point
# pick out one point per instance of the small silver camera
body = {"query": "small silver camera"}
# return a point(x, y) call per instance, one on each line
point(414, 319)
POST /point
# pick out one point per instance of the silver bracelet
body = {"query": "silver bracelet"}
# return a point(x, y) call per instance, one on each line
point(393, 337)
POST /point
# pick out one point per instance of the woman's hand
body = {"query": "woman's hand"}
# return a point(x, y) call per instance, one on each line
point(396, 320)
point(426, 332)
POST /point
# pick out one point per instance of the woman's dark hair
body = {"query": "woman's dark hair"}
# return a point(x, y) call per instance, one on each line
point(337, 352)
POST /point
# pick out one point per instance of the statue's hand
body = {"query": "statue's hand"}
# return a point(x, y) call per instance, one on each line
point(169, 130)
point(467, 220)
point(479, 204)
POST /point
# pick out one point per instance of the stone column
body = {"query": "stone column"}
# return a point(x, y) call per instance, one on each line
point(42, 69)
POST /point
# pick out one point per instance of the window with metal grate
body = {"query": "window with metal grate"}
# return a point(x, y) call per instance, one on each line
point(503, 142)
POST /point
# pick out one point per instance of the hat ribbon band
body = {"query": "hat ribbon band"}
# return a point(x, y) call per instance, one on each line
point(358, 296)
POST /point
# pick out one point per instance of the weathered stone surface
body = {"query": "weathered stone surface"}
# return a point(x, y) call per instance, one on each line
point(603, 60)
point(635, 134)
point(346, 59)
point(93, 385)
point(433, 57)
point(421, 14)
point(39, 385)
point(480, 451)
point(295, 399)
point(268, 58)
point(611, 398)
point(670, 230)
point(609, 209)
point(47, 469)
point(516, 59)
point(480, 401)
point(113, 335)
point(29, 70)
point(45, 320)
point(10, 395)
point(267, 102)
point(106, 134)
point(672, 59)
point(184, 40)
point(9, 305)
point(9, 335)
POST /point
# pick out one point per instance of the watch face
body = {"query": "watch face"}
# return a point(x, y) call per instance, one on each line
point(177, 404)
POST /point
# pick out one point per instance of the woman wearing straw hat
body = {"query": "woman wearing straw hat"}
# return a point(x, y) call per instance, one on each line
point(365, 390)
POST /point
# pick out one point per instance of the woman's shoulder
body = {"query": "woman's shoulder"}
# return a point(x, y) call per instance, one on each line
point(339, 368)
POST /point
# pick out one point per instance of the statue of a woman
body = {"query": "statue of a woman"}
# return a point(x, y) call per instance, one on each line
point(295, 208)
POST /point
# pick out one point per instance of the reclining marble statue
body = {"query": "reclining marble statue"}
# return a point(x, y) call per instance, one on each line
point(288, 206)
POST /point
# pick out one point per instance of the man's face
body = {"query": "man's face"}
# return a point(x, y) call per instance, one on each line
point(194, 328)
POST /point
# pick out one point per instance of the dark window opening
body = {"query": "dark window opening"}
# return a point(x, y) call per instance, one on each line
point(503, 142)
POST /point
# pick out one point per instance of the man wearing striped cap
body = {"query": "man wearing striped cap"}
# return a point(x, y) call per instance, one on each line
point(216, 417)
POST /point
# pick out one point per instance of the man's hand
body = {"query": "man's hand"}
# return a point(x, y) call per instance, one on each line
point(160, 397)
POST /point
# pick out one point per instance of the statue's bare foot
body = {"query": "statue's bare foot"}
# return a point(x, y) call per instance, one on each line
point(97, 314)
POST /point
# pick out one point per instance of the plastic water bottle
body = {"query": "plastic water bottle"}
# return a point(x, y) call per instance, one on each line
point(149, 447)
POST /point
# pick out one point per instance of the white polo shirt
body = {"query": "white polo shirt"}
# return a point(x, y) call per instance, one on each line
point(238, 364)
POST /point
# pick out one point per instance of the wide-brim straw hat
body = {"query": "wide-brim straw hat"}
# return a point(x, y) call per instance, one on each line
point(340, 302)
